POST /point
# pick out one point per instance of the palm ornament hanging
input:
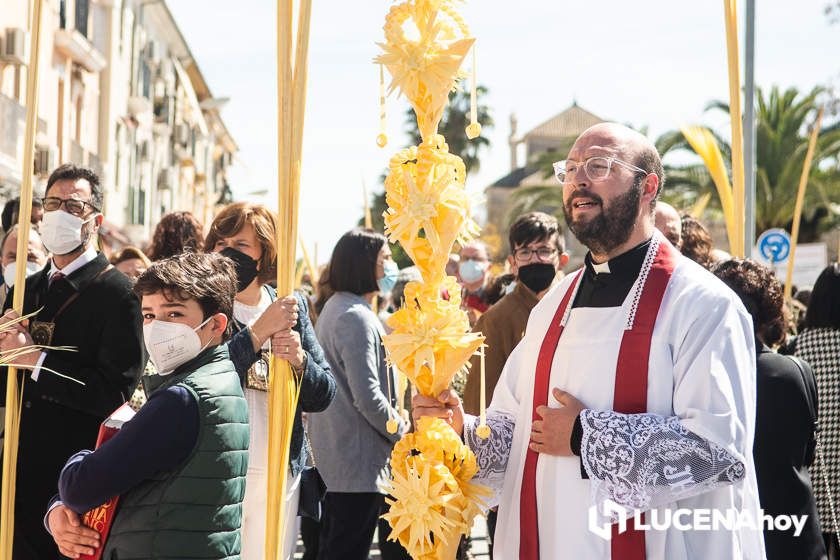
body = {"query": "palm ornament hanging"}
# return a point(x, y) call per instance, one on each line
point(432, 499)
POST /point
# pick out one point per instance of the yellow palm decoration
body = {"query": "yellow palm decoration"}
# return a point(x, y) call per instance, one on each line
point(703, 142)
point(432, 500)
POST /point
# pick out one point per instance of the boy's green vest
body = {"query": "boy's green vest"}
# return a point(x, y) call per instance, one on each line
point(194, 511)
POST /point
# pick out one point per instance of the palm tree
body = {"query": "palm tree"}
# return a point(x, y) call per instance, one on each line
point(783, 122)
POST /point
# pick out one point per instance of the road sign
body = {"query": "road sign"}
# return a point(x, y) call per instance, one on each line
point(773, 250)
point(774, 245)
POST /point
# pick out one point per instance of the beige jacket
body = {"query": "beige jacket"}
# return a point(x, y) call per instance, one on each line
point(503, 326)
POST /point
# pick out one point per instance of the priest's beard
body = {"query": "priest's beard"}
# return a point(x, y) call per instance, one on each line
point(612, 227)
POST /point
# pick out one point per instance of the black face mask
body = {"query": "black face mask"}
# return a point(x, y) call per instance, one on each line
point(246, 267)
point(537, 276)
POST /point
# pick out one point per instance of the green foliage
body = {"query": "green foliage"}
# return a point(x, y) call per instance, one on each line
point(784, 120)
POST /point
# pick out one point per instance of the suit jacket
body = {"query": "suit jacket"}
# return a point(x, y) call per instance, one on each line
point(60, 417)
point(503, 326)
point(105, 326)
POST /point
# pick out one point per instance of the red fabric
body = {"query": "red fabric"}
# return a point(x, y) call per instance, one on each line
point(473, 301)
point(631, 377)
point(630, 396)
point(529, 537)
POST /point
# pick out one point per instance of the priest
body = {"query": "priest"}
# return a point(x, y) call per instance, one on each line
point(632, 393)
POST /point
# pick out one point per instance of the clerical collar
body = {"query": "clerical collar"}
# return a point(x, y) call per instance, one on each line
point(607, 284)
point(625, 265)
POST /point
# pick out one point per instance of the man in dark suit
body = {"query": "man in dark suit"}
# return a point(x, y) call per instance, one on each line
point(85, 304)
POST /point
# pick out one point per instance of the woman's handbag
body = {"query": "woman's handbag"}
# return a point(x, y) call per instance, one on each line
point(313, 490)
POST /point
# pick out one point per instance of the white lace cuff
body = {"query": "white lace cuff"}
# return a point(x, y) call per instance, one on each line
point(643, 461)
point(491, 454)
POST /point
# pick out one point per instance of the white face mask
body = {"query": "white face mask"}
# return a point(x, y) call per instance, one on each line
point(172, 344)
point(10, 272)
point(61, 231)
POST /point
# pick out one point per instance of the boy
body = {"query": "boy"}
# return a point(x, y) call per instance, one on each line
point(179, 465)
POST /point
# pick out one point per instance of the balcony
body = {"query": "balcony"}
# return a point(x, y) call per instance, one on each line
point(75, 46)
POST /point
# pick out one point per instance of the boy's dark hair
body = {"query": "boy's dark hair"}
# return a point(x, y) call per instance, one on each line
point(535, 226)
point(210, 279)
point(353, 263)
point(72, 172)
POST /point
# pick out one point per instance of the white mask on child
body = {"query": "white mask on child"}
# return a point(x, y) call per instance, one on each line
point(172, 344)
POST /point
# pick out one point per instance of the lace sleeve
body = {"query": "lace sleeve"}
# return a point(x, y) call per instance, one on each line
point(643, 461)
point(492, 453)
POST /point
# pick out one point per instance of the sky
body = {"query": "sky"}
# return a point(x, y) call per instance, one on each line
point(648, 63)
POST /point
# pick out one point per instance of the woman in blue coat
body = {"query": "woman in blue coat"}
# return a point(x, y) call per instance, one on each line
point(263, 324)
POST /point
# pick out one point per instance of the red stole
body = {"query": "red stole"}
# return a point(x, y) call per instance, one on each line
point(630, 397)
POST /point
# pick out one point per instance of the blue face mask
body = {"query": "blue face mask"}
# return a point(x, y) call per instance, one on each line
point(387, 282)
point(472, 271)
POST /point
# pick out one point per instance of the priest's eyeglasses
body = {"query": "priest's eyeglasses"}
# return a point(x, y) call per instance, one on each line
point(596, 168)
point(72, 205)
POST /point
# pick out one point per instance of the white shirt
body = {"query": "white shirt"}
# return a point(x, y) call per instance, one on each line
point(88, 256)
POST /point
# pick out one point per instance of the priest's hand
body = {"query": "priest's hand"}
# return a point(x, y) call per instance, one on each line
point(72, 537)
point(552, 435)
point(14, 335)
point(447, 405)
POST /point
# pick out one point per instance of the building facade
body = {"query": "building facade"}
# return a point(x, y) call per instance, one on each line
point(120, 92)
point(551, 139)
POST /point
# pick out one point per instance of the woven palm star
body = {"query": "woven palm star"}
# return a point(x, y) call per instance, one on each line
point(431, 333)
point(416, 510)
point(424, 69)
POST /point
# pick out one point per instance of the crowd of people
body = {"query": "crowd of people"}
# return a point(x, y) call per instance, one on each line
point(662, 371)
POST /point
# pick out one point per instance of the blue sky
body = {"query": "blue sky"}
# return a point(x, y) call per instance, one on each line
point(653, 63)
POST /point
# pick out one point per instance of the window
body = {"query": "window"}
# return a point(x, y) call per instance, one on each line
point(82, 16)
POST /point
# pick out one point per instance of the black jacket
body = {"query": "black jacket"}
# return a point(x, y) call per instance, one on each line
point(105, 326)
point(59, 417)
point(784, 448)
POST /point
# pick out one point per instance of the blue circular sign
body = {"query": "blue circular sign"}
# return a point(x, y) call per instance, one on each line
point(774, 245)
